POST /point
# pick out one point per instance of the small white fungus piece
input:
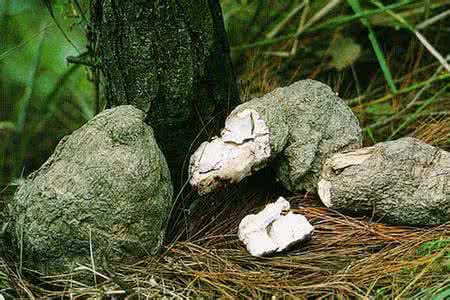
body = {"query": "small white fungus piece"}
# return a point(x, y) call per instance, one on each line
point(270, 231)
point(290, 229)
point(242, 148)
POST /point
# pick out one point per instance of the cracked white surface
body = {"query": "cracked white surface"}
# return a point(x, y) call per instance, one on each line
point(242, 148)
point(270, 231)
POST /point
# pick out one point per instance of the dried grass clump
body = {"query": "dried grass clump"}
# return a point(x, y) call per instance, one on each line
point(434, 131)
point(347, 258)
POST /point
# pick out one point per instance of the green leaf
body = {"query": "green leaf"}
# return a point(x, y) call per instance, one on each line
point(15, 7)
point(24, 102)
point(344, 52)
point(7, 125)
point(432, 246)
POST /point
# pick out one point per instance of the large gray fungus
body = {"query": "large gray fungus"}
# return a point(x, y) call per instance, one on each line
point(400, 182)
point(293, 128)
point(105, 191)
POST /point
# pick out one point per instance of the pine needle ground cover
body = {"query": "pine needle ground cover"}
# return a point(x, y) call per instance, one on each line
point(347, 258)
point(387, 59)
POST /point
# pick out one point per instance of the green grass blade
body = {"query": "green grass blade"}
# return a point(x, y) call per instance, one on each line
point(285, 20)
point(355, 5)
point(405, 90)
point(327, 25)
point(24, 102)
point(419, 36)
point(414, 116)
point(7, 125)
point(22, 109)
point(371, 136)
point(445, 294)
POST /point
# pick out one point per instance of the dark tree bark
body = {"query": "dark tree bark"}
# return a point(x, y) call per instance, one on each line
point(170, 59)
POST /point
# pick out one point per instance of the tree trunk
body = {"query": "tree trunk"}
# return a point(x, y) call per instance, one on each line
point(170, 59)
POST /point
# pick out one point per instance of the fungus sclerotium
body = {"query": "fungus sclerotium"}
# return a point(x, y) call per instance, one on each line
point(105, 192)
point(270, 231)
point(242, 149)
point(293, 128)
point(400, 182)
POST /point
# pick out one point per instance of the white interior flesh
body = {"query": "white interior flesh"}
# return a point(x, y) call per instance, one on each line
point(336, 164)
point(290, 229)
point(341, 161)
point(270, 231)
point(324, 191)
point(242, 148)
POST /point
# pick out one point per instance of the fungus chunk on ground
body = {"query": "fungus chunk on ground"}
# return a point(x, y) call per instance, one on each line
point(403, 182)
point(293, 129)
point(242, 149)
point(106, 187)
point(271, 231)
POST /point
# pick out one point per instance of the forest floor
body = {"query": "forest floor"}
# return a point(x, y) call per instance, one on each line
point(390, 64)
point(347, 258)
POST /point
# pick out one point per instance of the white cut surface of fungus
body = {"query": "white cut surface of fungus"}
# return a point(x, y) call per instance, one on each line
point(336, 163)
point(270, 231)
point(290, 229)
point(242, 148)
point(343, 160)
point(324, 191)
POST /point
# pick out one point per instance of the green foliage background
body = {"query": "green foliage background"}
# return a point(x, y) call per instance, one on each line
point(42, 97)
